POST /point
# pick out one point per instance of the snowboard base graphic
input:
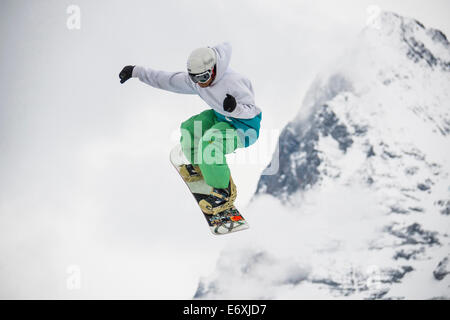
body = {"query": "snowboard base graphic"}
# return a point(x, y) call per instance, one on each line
point(224, 222)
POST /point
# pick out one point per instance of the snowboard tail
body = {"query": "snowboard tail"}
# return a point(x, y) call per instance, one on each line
point(224, 222)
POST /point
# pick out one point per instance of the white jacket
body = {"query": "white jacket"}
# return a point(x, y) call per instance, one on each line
point(226, 82)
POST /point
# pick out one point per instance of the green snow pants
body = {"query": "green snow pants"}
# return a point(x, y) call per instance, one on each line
point(205, 141)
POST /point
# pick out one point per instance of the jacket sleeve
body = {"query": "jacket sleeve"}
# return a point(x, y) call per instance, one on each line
point(245, 99)
point(177, 82)
point(243, 110)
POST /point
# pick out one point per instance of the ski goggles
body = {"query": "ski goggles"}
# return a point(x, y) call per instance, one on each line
point(201, 77)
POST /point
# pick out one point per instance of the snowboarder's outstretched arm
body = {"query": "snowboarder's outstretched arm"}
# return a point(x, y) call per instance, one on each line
point(178, 82)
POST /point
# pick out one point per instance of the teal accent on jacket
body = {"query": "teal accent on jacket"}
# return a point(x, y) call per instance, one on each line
point(247, 129)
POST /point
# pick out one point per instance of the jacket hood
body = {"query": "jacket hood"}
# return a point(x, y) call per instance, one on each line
point(223, 55)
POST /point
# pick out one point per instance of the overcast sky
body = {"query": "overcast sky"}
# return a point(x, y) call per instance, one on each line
point(85, 179)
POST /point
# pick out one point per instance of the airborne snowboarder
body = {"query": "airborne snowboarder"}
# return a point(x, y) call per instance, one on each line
point(233, 122)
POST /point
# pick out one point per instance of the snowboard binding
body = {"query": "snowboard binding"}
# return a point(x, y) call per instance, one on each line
point(190, 173)
point(219, 199)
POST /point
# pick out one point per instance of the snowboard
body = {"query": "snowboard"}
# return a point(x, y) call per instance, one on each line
point(227, 221)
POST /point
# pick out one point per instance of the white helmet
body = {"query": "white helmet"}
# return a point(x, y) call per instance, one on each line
point(201, 60)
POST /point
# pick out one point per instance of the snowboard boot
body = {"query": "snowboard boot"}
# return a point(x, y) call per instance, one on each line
point(190, 173)
point(219, 199)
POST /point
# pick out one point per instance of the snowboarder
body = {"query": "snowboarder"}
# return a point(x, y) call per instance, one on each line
point(233, 122)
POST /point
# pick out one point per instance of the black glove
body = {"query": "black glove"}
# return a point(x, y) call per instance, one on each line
point(229, 103)
point(126, 73)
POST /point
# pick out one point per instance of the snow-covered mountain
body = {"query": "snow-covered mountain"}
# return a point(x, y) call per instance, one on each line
point(360, 206)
